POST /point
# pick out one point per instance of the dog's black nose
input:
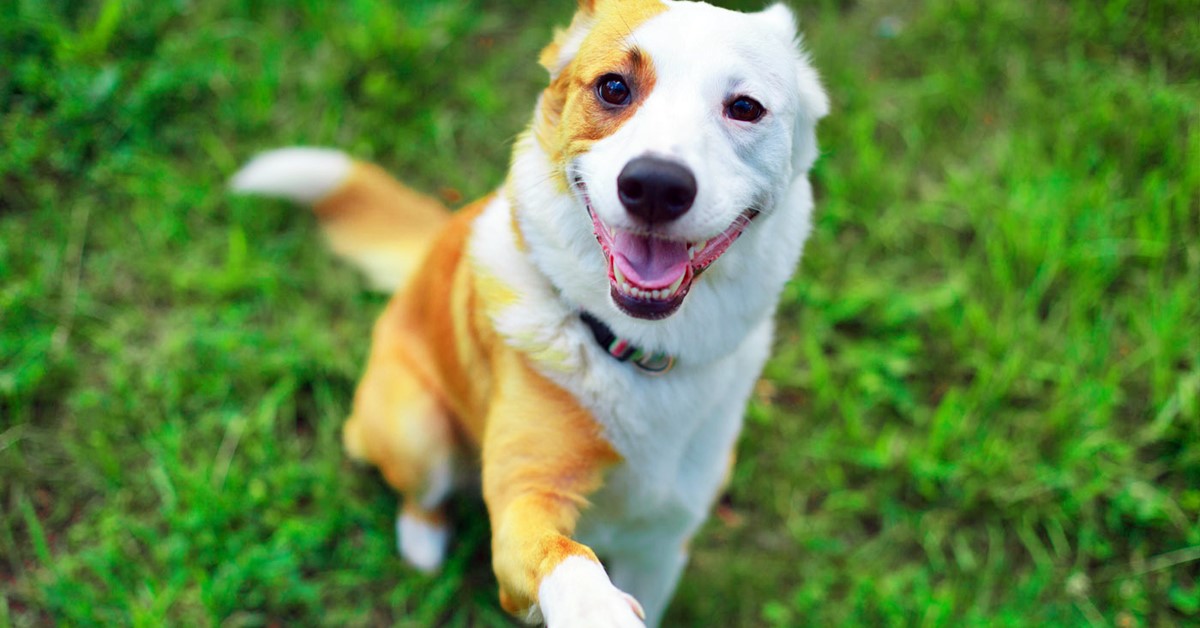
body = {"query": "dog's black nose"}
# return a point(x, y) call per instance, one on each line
point(655, 189)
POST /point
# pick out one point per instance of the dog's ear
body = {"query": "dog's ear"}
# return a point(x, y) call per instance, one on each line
point(566, 42)
point(559, 53)
point(590, 7)
point(779, 18)
point(782, 21)
point(814, 103)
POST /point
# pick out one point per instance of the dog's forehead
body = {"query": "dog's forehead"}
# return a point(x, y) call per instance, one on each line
point(705, 24)
point(674, 27)
point(697, 38)
point(690, 41)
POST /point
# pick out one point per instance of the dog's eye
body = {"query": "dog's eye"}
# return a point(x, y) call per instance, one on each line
point(613, 89)
point(745, 109)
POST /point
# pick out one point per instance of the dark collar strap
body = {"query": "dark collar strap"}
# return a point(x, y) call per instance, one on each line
point(625, 351)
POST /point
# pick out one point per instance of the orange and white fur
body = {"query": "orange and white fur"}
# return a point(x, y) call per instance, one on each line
point(668, 131)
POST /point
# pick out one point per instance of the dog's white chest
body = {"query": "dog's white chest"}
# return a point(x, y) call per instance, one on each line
point(675, 433)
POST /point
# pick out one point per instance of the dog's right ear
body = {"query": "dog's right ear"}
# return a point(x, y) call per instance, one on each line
point(618, 14)
point(590, 7)
point(559, 53)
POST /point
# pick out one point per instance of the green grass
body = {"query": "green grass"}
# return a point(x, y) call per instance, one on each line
point(983, 407)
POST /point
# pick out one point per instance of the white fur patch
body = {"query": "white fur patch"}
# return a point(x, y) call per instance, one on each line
point(538, 323)
point(303, 175)
point(439, 483)
point(421, 544)
point(578, 594)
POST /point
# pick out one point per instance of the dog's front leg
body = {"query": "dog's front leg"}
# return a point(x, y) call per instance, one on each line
point(543, 454)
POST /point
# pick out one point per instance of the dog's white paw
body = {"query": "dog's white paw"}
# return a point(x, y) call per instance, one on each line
point(421, 543)
point(579, 594)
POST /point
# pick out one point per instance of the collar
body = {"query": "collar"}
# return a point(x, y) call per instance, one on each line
point(625, 351)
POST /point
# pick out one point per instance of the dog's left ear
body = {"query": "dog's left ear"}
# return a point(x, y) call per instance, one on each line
point(814, 103)
point(779, 18)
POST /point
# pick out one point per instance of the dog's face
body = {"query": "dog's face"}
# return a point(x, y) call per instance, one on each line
point(676, 125)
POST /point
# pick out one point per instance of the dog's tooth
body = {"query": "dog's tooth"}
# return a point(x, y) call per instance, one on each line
point(675, 287)
point(656, 294)
point(618, 274)
point(700, 246)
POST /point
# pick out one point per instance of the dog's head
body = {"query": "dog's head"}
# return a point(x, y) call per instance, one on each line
point(675, 125)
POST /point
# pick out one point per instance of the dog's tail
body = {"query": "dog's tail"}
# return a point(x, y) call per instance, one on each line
point(369, 218)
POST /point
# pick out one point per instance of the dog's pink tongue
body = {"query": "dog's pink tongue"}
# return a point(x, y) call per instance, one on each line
point(647, 262)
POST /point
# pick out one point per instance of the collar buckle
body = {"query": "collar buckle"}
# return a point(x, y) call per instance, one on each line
point(657, 364)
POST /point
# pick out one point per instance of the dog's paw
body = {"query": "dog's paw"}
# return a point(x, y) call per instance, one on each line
point(578, 594)
point(421, 543)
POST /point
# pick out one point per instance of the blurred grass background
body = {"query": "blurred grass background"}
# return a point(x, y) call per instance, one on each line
point(982, 409)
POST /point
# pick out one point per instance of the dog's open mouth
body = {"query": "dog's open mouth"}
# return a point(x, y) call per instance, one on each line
point(650, 275)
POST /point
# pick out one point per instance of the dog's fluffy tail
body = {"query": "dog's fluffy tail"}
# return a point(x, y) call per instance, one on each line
point(369, 218)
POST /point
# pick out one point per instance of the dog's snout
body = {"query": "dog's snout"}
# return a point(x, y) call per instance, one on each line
point(656, 190)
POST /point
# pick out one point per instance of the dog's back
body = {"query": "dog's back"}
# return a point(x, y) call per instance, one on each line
point(369, 218)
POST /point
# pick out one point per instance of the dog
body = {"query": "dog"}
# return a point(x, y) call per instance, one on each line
point(587, 337)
